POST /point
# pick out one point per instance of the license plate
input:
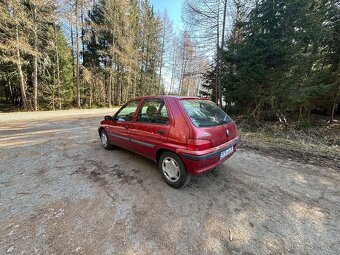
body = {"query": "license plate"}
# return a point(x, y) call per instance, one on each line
point(226, 152)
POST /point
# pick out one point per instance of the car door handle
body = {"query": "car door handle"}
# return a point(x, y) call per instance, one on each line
point(161, 132)
point(126, 127)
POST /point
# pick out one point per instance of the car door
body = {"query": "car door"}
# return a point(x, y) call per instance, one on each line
point(118, 130)
point(151, 127)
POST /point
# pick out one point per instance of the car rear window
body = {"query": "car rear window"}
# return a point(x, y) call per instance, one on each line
point(203, 113)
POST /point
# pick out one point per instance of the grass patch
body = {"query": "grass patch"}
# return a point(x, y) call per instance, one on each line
point(316, 144)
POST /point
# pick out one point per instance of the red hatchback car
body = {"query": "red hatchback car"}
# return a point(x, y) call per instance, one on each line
point(184, 135)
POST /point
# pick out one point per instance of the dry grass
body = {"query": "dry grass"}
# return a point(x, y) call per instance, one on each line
point(318, 144)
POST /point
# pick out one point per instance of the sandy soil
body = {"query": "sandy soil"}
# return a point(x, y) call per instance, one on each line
point(62, 193)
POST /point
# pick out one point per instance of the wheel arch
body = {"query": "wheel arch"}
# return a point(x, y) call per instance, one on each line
point(160, 151)
point(100, 130)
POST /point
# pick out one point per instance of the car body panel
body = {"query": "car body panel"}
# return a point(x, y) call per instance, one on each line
point(198, 162)
point(119, 133)
point(217, 135)
point(148, 139)
point(180, 130)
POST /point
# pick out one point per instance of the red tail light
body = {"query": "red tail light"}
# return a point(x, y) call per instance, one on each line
point(198, 145)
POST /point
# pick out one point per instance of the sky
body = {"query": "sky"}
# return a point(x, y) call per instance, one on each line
point(173, 8)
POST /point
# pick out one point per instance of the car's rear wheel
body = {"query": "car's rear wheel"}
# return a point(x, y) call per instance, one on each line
point(105, 140)
point(173, 170)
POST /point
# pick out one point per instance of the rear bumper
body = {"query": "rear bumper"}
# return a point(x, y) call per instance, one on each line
point(198, 162)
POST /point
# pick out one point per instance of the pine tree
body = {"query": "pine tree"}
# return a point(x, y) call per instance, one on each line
point(15, 45)
point(283, 48)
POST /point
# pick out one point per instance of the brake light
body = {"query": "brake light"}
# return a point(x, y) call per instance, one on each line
point(198, 145)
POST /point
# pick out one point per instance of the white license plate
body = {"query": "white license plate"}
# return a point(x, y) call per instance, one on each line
point(226, 152)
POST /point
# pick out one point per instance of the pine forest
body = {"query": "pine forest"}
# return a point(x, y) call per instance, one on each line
point(255, 57)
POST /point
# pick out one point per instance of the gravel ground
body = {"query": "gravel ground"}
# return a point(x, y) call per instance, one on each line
point(62, 193)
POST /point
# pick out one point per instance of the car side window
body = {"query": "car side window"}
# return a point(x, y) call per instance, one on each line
point(126, 113)
point(153, 111)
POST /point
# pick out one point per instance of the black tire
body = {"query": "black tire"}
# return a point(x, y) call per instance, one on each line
point(108, 145)
point(183, 178)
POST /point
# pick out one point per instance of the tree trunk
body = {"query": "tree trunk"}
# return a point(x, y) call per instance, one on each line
point(104, 96)
point(118, 87)
point(141, 92)
point(174, 63)
point(183, 67)
point(141, 71)
point(147, 76)
point(53, 89)
point(91, 94)
point(110, 89)
point(35, 62)
point(77, 54)
point(21, 75)
point(121, 90)
point(135, 83)
point(111, 69)
point(161, 62)
point(335, 101)
point(82, 25)
point(217, 53)
point(58, 66)
point(220, 55)
point(72, 52)
point(10, 91)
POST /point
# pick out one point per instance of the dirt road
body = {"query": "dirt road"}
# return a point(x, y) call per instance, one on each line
point(62, 193)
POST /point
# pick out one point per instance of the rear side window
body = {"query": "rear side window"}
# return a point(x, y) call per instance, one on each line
point(153, 111)
point(204, 113)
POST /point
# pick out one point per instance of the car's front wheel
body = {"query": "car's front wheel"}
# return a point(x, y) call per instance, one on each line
point(105, 140)
point(173, 170)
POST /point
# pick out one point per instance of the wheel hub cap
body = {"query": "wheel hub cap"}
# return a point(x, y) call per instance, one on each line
point(104, 139)
point(171, 169)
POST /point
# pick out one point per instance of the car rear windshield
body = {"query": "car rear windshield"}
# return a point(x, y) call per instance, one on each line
point(203, 113)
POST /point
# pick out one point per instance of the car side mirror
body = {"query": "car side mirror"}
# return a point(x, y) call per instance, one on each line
point(108, 118)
